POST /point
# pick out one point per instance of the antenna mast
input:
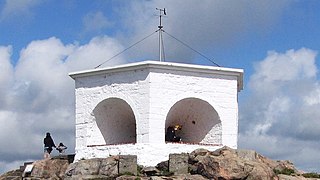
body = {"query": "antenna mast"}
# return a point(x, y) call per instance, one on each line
point(161, 47)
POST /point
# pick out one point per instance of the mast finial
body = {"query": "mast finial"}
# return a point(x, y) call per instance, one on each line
point(160, 12)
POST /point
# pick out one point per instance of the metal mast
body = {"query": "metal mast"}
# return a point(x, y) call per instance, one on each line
point(161, 47)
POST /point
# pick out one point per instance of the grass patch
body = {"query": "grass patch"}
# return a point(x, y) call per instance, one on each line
point(285, 171)
point(311, 175)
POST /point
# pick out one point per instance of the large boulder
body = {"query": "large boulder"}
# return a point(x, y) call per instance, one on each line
point(94, 168)
point(49, 168)
point(225, 163)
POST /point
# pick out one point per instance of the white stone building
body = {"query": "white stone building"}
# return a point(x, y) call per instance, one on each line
point(126, 109)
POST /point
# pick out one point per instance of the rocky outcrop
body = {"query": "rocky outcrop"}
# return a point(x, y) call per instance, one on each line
point(49, 168)
point(222, 164)
point(227, 163)
point(93, 168)
point(12, 175)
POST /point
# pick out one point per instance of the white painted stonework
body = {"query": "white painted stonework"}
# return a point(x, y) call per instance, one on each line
point(126, 109)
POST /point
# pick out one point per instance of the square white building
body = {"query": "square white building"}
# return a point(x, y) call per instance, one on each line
point(126, 109)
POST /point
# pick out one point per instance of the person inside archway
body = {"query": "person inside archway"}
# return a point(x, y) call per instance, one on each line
point(48, 144)
point(171, 133)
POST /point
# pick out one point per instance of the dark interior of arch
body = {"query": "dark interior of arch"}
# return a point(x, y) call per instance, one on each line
point(116, 121)
point(197, 118)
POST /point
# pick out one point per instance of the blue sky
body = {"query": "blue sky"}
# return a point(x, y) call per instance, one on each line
point(275, 42)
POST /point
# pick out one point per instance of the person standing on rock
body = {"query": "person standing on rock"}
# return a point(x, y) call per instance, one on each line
point(48, 144)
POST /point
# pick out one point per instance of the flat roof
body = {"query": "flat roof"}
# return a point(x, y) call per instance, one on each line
point(163, 65)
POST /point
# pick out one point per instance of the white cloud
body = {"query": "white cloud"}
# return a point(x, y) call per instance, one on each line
point(39, 94)
point(6, 73)
point(289, 66)
point(17, 7)
point(205, 25)
point(97, 51)
point(281, 117)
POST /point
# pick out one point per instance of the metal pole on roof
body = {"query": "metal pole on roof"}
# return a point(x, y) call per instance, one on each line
point(161, 46)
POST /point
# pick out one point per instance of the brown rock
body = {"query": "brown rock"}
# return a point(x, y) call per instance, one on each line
point(225, 163)
point(12, 175)
point(104, 167)
point(49, 168)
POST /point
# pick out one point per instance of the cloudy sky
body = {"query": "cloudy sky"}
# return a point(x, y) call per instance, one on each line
point(276, 42)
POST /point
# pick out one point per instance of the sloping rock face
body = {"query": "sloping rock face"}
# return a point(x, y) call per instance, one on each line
point(98, 168)
point(227, 163)
point(12, 175)
point(49, 168)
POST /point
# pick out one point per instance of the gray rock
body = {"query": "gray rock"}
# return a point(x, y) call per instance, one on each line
point(87, 167)
point(224, 164)
point(247, 154)
point(178, 163)
point(150, 171)
point(49, 168)
point(109, 167)
point(93, 168)
point(128, 164)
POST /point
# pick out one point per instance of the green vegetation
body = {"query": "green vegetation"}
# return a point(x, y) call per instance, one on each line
point(139, 170)
point(285, 171)
point(311, 175)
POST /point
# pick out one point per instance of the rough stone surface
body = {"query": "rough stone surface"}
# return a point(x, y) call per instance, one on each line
point(178, 163)
point(104, 167)
point(109, 166)
point(150, 171)
point(226, 164)
point(12, 175)
point(87, 167)
point(222, 164)
point(49, 168)
point(127, 164)
point(286, 177)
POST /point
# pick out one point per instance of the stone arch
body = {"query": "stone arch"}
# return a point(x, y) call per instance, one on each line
point(116, 121)
point(200, 121)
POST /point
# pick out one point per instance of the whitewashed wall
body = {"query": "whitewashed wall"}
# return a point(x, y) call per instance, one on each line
point(155, 95)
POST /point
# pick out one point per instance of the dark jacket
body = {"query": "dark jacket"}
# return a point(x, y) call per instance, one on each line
point(171, 134)
point(48, 142)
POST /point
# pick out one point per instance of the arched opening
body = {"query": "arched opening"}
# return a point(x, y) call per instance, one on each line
point(116, 121)
point(199, 120)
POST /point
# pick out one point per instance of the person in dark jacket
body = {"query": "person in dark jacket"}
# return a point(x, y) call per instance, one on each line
point(171, 133)
point(48, 144)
